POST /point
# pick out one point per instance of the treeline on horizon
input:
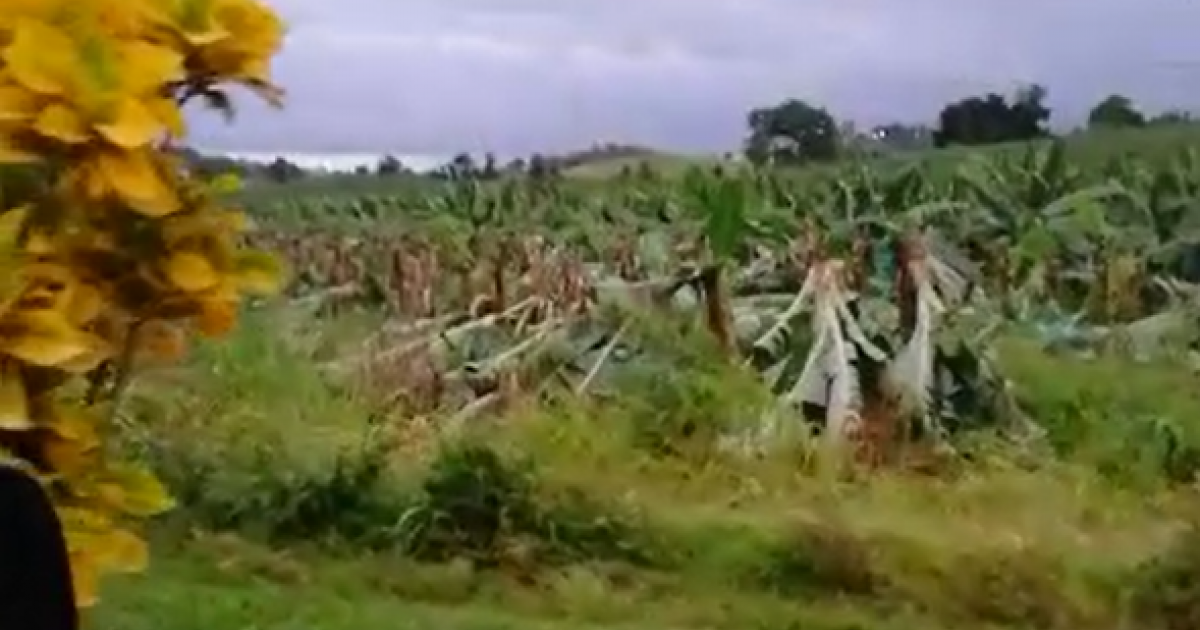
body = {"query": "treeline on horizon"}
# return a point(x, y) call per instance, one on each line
point(792, 132)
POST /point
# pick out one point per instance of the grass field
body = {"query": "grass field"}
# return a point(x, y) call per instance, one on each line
point(630, 539)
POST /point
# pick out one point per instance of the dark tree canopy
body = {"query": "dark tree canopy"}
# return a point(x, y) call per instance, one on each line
point(1172, 117)
point(792, 132)
point(490, 168)
point(541, 167)
point(992, 119)
point(1115, 111)
point(283, 171)
point(389, 165)
point(461, 166)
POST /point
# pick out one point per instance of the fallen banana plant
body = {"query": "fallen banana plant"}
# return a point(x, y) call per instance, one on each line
point(857, 364)
point(878, 368)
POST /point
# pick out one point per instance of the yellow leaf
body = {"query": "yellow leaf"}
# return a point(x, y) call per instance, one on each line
point(85, 578)
point(41, 58)
point(68, 458)
point(14, 10)
point(130, 173)
point(225, 184)
point(236, 221)
point(45, 338)
point(74, 426)
point(133, 125)
point(17, 104)
point(216, 317)
point(71, 446)
point(146, 67)
point(12, 222)
point(191, 20)
point(84, 304)
point(133, 176)
point(169, 115)
point(121, 551)
point(257, 31)
point(142, 494)
point(14, 405)
point(39, 243)
point(191, 272)
point(79, 519)
point(87, 362)
point(62, 123)
point(126, 19)
point(258, 273)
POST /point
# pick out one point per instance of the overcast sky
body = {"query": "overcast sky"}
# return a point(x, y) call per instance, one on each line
point(518, 76)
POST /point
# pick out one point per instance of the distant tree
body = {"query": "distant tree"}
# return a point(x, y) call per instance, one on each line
point(541, 167)
point(1030, 116)
point(1172, 117)
point(491, 169)
point(283, 171)
point(791, 132)
point(991, 119)
point(389, 165)
point(973, 121)
point(601, 152)
point(1115, 111)
point(462, 166)
point(515, 166)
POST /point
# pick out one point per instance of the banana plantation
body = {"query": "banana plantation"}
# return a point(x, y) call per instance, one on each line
point(867, 302)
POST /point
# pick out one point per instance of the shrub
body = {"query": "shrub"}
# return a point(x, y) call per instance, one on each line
point(471, 499)
point(480, 506)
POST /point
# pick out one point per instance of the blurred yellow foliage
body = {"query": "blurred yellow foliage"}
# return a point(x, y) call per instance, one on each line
point(117, 253)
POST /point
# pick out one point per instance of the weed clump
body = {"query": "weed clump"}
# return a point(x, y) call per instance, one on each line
point(1165, 592)
point(469, 501)
point(477, 505)
point(819, 556)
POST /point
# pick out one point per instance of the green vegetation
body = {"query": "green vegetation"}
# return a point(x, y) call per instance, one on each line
point(1090, 150)
point(566, 404)
point(627, 538)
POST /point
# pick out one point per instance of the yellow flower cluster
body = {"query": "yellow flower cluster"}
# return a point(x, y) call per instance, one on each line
point(109, 250)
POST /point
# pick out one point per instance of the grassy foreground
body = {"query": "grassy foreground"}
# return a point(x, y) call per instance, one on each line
point(576, 515)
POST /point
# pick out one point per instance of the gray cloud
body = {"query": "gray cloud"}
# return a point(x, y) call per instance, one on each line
point(515, 76)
